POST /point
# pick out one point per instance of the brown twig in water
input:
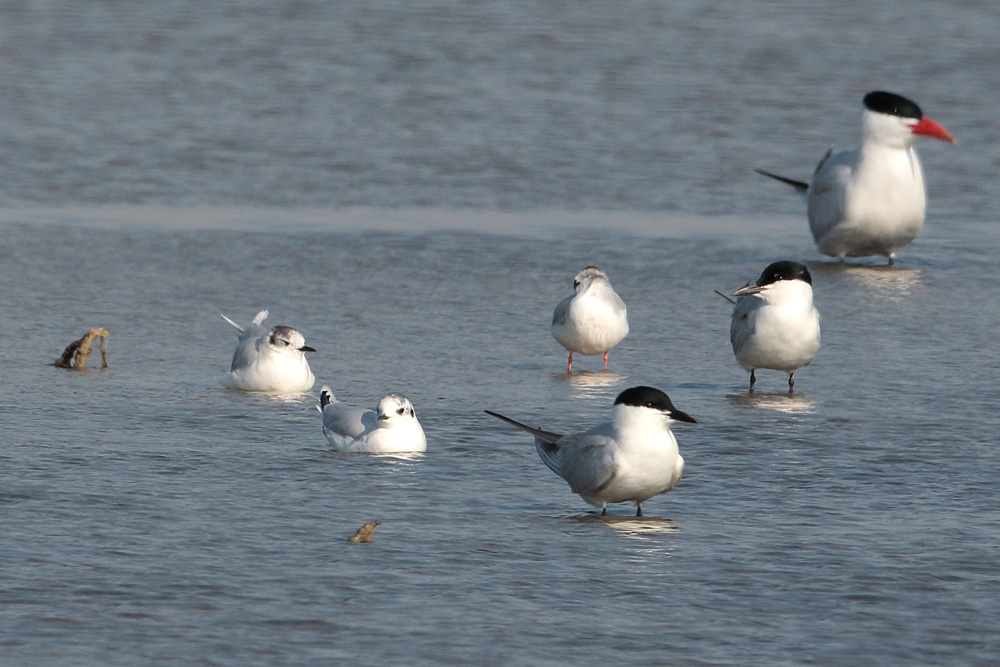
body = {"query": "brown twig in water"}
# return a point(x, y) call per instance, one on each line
point(76, 353)
point(364, 534)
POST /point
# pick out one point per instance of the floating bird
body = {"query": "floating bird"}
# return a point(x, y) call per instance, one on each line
point(593, 319)
point(393, 427)
point(631, 458)
point(775, 324)
point(271, 360)
point(871, 200)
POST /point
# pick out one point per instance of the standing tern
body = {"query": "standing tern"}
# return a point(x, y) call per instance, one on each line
point(271, 360)
point(593, 319)
point(631, 458)
point(393, 427)
point(871, 200)
point(775, 324)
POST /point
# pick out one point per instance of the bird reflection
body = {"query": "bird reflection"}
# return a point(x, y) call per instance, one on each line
point(779, 402)
point(630, 525)
point(888, 282)
point(587, 384)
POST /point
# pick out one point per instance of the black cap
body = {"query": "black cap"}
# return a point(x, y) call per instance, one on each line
point(880, 101)
point(786, 269)
point(651, 397)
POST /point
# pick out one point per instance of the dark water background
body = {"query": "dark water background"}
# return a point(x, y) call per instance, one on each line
point(413, 186)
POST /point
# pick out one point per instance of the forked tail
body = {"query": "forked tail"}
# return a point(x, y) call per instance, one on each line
point(799, 186)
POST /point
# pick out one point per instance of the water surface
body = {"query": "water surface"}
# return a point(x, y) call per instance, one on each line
point(413, 186)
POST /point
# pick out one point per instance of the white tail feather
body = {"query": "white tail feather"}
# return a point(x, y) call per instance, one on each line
point(238, 327)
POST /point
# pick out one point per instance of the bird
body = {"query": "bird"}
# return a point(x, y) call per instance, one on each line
point(631, 458)
point(775, 324)
point(593, 319)
point(392, 427)
point(871, 200)
point(270, 360)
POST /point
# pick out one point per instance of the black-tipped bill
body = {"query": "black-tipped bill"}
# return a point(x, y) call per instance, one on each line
point(306, 348)
point(748, 289)
point(679, 416)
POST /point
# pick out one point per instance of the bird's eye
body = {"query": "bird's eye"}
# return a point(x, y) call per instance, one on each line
point(400, 411)
point(412, 413)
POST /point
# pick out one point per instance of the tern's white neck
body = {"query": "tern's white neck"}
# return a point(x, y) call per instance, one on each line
point(887, 131)
point(638, 421)
point(788, 292)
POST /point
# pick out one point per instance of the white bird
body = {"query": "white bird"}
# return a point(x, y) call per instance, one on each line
point(871, 200)
point(593, 319)
point(631, 458)
point(775, 324)
point(393, 427)
point(271, 360)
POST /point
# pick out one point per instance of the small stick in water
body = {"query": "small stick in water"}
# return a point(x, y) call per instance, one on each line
point(76, 353)
point(364, 534)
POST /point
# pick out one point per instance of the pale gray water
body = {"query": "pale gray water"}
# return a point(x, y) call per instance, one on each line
point(150, 516)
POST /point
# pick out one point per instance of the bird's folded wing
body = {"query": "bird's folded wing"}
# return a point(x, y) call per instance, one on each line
point(588, 463)
point(347, 421)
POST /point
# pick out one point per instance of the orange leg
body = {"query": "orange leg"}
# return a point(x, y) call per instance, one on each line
point(569, 366)
point(605, 362)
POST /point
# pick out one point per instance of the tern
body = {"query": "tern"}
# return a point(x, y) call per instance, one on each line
point(392, 427)
point(631, 458)
point(593, 319)
point(871, 200)
point(775, 324)
point(271, 360)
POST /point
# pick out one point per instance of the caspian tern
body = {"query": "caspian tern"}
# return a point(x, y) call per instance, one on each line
point(871, 200)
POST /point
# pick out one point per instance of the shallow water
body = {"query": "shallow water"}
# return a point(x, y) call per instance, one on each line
point(416, 205)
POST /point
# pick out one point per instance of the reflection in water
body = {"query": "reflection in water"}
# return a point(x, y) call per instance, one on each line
point(631, 525)
point(891, 282)
point(588, 384)
point(390, 458)
point(274, 397)
point(400, 457)
point(780, 402)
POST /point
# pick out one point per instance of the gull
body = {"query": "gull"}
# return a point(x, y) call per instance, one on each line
point(593, 319)
point(631, 458)
point(271, 360)
point(871, 200)
point(775, 324)
point(392, 427)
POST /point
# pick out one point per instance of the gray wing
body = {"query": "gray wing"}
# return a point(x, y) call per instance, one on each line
point(826, 192)
point(245, 354)
point(744, 322)
point(588, 461)
point(559, 314)
point(347, 421)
